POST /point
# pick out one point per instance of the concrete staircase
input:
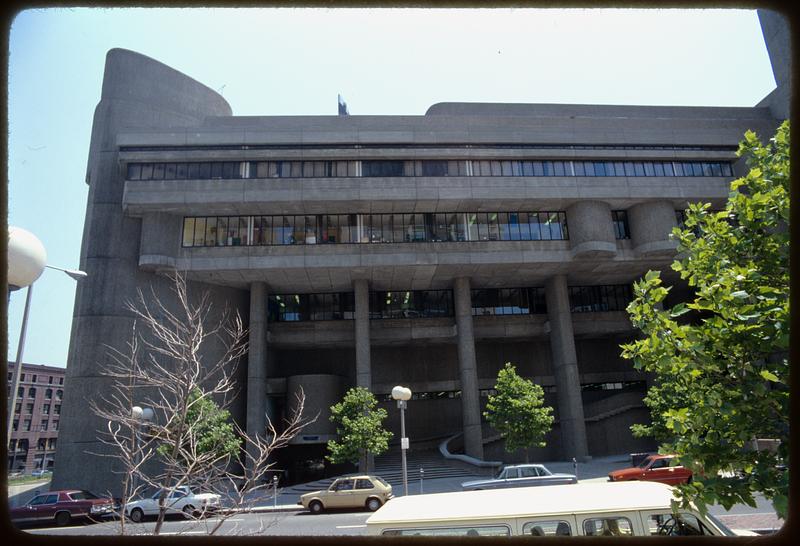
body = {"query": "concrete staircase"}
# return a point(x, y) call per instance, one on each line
point(389, 466)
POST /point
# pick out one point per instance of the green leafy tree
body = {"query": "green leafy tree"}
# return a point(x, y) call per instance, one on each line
point(518, 412)
point(207, 431)
point(723, 369)
point(359, 425)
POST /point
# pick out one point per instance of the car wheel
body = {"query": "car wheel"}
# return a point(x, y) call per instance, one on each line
point(373, 504)
point(689, 479)
point(315, 507)
point(189, 511)
point(63, 518)
point(137, 515)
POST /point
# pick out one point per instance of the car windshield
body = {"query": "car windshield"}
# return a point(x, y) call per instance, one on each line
point(544, 472)
point(381, 481)
point(646, 462)
point(721, 526)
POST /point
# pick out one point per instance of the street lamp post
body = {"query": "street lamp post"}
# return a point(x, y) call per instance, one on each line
point(402, 395)
point(140, 416)
point(27, 260)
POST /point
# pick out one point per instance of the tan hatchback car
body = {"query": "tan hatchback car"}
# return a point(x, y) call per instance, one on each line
point(369, 492)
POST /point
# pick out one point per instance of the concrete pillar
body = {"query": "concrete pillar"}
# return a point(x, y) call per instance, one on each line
point(565, 368)
point(363, 362)
point(257, 362)
point(470, 407)
point(591, 232)
point(363, 357)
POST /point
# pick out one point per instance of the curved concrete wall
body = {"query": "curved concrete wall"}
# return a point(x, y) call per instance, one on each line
point(138, 92)
point(650, 224)
point(321, 391)
point(591, 233)
point(160, 241)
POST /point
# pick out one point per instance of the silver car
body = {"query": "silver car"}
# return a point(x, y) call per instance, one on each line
point(520, 475)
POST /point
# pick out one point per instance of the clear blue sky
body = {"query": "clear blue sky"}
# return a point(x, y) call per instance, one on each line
point(295, 61)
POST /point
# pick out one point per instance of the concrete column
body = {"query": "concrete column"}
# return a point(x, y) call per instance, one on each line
point(470, 407)
point(363, 362)
point(565, 368)
point(257, 361)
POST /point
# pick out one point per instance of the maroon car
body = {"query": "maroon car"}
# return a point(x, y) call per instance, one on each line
point(62, 507)
point(655, 468)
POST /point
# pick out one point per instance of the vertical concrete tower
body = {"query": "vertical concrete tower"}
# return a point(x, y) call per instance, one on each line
point(137, 92)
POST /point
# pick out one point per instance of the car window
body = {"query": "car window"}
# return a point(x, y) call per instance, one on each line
point(547, 528)
point(529, 472)
point(681, 525)
point(364, 484)
point(658, 463)
point(477, 531)
point(177, 494)
point(344, 485)
point(673, 462)
point(645, 462)
point(608, 527)
point(511, 473)
point(36, 501)
point(51, 499)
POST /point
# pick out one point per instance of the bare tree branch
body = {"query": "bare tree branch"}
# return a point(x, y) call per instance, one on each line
point(166, 367)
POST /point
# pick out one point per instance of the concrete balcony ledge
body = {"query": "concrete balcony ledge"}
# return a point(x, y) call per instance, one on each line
point(594, 249)
point(156, 263)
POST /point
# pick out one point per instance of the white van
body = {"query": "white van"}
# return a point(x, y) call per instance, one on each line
point(584, 509)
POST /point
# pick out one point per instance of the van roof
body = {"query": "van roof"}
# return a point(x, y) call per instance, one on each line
point(524, 501)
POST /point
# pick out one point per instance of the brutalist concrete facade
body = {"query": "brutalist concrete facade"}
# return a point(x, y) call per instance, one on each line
point(615, 226)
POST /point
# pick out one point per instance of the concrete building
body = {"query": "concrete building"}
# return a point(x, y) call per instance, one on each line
point(425, 251)
point(36, 417)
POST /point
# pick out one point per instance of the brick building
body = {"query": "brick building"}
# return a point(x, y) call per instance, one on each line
point(36, 417)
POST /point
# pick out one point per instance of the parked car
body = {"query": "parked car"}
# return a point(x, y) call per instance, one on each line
point(182, 500)
point(62, 507)
point(654, 468)
point(41, 473)
point(369, 492)
point(520, 475)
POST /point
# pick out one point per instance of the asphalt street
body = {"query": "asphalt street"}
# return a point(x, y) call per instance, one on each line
point(280, 515)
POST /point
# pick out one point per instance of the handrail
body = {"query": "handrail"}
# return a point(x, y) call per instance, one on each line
point(465, 458)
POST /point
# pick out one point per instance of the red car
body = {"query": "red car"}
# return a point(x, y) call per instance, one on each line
point(655, 468)
point(62, 507)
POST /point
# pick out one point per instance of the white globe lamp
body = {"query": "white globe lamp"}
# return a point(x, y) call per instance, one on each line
point(26, 258)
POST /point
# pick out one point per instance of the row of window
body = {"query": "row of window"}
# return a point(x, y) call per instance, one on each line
point(43, 444)
point(374, 228)
point(428, 227)
point(34, 377)
point(667, 523)
point(439, 303)
point(45, 408)
point(366, 146)
point(233, 170)
point(27, 424)
point(48, 394)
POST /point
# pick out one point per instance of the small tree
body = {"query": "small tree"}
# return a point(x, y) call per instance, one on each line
point(518, 412)
point(723, 374)
point(359, 425)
